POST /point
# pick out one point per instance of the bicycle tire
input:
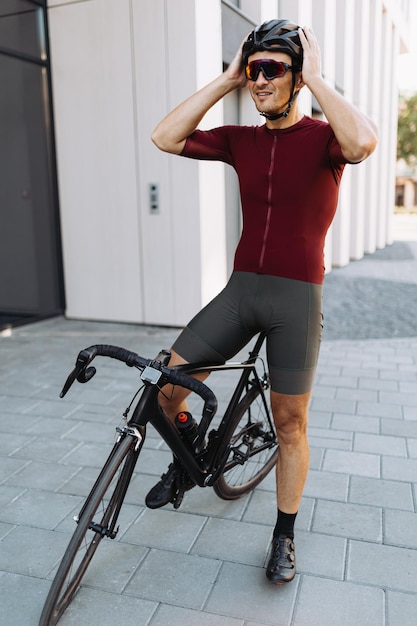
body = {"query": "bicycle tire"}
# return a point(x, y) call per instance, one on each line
point(253, 449)
point(66, 582)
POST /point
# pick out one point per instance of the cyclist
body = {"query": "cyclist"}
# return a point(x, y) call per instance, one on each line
point(289, 172)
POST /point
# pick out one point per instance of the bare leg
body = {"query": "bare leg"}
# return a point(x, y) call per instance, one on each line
point(291, 418)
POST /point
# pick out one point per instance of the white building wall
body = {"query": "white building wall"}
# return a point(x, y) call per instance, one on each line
point(94, 116)
point(126, 262)
point(344, 75)
point(375, 210)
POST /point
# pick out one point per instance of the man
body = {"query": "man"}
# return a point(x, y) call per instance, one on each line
point(289, 173)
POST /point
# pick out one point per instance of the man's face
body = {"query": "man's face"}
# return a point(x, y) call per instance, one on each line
point(271, 96)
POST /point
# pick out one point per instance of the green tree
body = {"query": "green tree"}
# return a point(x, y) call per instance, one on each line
point(407, 129)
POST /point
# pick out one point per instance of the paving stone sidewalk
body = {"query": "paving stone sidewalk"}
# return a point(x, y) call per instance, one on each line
point(203, 565)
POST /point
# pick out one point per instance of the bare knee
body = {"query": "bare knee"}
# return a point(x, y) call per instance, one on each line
point(290, 417)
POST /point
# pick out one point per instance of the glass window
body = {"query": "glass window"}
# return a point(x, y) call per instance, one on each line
point(22, 28)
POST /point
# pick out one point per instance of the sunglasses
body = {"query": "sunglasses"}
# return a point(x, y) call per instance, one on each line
point(270, 69)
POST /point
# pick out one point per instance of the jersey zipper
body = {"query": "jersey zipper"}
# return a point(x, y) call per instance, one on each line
point(269, 197)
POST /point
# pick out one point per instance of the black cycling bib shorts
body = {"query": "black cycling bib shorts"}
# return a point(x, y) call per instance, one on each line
point(289, 310)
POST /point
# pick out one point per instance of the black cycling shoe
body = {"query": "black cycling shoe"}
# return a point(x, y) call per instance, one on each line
point(171, 488)
point(281, 565)
point(164, 491)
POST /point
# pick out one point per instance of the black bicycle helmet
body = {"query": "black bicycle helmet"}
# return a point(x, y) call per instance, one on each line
point(277, 36)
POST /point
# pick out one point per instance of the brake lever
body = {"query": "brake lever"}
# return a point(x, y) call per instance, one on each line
point(80, 372)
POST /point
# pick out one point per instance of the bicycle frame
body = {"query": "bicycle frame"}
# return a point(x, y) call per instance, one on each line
point(215, 458)
point(205, 468)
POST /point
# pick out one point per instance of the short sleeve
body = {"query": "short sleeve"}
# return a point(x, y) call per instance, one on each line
point(210, 145)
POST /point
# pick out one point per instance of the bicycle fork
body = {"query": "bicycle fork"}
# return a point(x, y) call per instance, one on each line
point(107, 526)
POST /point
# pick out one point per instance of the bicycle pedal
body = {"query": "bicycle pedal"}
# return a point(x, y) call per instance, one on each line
point(177, 499)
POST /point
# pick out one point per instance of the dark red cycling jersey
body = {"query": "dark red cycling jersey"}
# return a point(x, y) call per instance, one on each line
point(289, 183)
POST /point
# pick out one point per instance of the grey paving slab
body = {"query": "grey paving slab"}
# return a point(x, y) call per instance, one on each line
point(21, 599)
point(405, 398)
point(400, 375)
point(389, 494)
point(13, 442)
point(401, 608)
point(43, 475)
point(18, 404)
point(412, 448)
point(377, 409)
point(399, 469)
point(400, 528)
point(338, 380)
point(9, 466)
point(241, 591)
point(367, 562)
point(228, 540)
point(40, 449)
point(31, 551)
point(334, 405)
point(324, 602)
point(320, 554)
point(348, 520)
point(356, 463)
point(90, 453)
point(356, 423)
point(40, 509)
point(380, 444)
point(378, 384)
point(8, 493)
point(167, 615)
point(401, 428)
point(205, 502)
point(78, 482)
point(360, 395)
point(320, 419)
point(169, 577)
point(326, 438)
point(112, 568)
point(167, 530)
point(316, 457)
point(5, 529)
point(102, 607)
point(9, 423)
point(410, 412)
point(322, 484)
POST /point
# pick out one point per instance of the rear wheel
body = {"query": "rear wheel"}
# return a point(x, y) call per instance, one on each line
point(253, 450)
point(97, 520)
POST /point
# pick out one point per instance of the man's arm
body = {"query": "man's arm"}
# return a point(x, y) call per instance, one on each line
point(355, 132)
point(171, 133)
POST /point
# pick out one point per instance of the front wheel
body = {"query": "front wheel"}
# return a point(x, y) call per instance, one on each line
point(96, 520)
point(253, 449)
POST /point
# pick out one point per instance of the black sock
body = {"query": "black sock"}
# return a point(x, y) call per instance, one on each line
point(285, 524)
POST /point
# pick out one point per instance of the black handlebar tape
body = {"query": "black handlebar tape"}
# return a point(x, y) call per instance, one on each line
point(121, 354)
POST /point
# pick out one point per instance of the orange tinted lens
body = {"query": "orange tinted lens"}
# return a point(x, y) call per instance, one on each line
point(270, 69)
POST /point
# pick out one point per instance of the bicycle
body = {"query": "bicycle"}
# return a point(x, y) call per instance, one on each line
point(233, 457)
